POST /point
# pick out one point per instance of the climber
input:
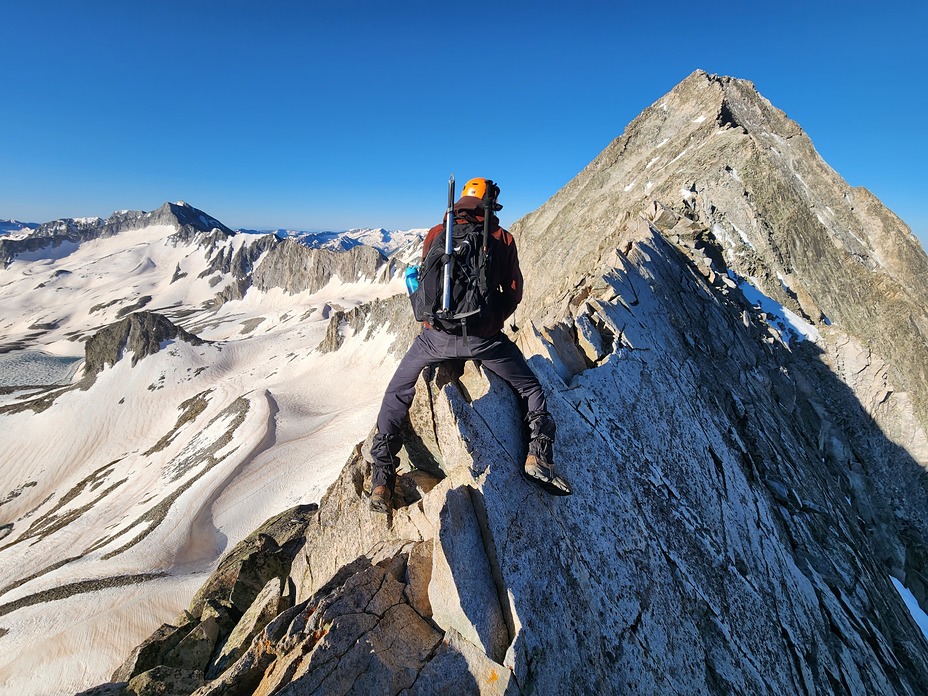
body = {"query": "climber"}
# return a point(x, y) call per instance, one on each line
point(479, 337)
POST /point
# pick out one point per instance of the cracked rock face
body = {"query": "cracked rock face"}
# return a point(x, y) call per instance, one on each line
point(718, 156)
point(392, 313)
point(296, 268)
point(738, 188)
point(270, 262)
point(690, 534)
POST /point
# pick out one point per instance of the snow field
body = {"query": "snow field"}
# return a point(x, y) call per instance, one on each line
point(194, 446)
point(80, 643)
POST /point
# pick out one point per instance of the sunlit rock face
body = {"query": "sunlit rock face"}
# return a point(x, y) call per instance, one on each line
point(737, 187)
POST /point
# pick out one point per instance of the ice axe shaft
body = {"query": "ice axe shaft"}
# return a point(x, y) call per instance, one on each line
point(449, 248)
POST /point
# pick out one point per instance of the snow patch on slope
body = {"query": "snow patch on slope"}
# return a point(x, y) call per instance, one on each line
point(918, 615)
point(14, 229)
point(789, 325)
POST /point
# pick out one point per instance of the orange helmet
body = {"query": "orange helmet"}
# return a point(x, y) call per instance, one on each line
point(475, 187)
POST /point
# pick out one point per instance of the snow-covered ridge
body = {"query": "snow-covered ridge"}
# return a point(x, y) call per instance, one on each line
point(389, 242)
point(14, 229)
point(33, 240)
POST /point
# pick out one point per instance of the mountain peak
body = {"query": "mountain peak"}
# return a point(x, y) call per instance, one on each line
point(713, 102)
point(711, 143)
point(184, 215)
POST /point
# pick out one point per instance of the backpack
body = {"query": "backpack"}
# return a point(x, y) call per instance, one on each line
point(470, 295)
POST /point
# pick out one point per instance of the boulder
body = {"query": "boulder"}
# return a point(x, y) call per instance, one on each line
point(462, 669)
point(196, 648)
point(165, 681)
point(418, 578)
point(362, 633)
point(153, 651)
point(264, 554)
point(462, 593)
point(267, 605)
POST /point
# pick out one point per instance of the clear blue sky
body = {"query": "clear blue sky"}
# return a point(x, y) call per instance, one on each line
point(345, 113)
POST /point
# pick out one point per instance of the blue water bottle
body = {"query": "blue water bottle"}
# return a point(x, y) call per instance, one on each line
point(412, 279)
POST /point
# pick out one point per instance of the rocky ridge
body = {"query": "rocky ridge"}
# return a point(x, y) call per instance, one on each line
point(284, 262)
point(478, 580)
point(189, 221)
point(747, 183)
point(141, 334)
point(391, 315)
point(739, 188)
point(296, 268)
point(741, 495)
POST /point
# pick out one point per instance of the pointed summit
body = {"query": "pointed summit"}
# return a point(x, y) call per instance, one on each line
point(716, 152)
point(736, 102)
point(188, 221)
point(750, 190)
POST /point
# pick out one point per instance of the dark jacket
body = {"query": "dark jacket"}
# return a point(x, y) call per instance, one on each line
point(504, 274)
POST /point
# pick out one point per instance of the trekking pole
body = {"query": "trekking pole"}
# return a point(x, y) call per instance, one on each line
point(449, 248)
point(488, 198)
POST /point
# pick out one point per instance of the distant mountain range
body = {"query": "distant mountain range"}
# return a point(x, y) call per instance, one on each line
point(15, 228)
point(387, 241)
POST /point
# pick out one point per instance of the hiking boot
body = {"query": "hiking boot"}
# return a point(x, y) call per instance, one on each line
point(380, 499)
point(541, 473)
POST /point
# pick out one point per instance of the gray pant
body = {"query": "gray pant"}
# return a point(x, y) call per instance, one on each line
point(431, 347)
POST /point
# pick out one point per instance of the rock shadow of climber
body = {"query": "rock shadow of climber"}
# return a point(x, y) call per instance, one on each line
point(469, 597)
point(465, 601)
